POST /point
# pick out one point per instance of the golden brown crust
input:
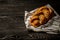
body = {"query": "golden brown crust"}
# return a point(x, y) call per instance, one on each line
point(34, 18)
point(37, 13)
point(41, 16)
point(35, 23)
point(42, 19)
point(46, 13)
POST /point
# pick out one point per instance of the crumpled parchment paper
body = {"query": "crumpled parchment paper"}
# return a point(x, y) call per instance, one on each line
point(51, 27)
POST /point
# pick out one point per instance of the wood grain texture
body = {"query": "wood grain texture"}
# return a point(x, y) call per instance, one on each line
point(12, 25)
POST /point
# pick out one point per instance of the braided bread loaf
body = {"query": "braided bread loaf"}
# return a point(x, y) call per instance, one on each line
point(41, 16)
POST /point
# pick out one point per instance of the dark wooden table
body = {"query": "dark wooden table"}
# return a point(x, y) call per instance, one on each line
point(12, 25)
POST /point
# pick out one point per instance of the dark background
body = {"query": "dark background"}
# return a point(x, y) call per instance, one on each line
point(12, 25)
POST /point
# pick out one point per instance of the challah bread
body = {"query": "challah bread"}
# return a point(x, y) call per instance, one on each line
point(41, 16)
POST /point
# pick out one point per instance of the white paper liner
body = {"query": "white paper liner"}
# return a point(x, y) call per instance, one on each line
point(51, 27)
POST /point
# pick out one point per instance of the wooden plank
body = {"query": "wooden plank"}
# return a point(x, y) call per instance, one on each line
point(12, 25)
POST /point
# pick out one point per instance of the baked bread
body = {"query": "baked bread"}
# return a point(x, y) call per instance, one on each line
point(41, 16)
